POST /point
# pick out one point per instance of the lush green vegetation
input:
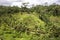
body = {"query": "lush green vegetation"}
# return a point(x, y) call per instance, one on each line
point(35, 23)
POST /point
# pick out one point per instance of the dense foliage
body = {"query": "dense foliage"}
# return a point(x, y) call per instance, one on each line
point(35, 23)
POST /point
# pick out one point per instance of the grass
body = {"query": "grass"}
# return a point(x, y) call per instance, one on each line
point(37, 28)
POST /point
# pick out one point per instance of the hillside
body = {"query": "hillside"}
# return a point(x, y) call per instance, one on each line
point(36, 23)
